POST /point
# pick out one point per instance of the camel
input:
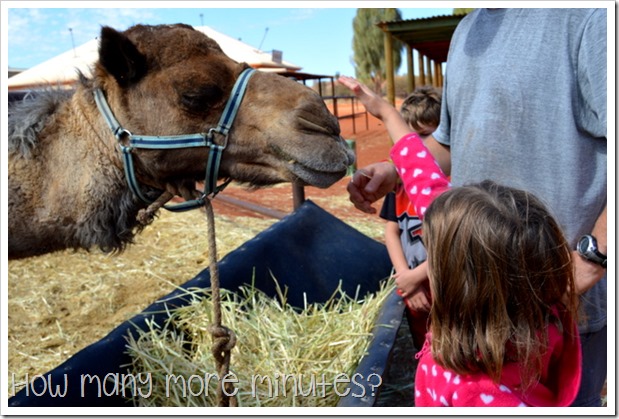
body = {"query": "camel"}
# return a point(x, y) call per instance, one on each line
point(68, 182)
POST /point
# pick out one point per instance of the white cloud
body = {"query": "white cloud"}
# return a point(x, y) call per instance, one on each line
point(37, 34)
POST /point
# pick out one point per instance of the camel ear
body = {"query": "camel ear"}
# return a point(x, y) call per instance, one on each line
point(120, 57)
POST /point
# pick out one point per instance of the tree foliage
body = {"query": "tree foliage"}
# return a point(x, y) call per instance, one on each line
point(369, 45)
point(462, 11)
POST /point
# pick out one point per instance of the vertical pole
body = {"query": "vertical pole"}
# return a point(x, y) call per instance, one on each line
point(354, 114)
point(429, 70)
point(389, 68)
point(439, 74)
point(353, 167)
point(298, 195)
point(411, 69)
point(422, 74)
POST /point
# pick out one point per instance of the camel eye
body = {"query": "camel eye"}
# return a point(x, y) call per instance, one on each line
point(201, 98)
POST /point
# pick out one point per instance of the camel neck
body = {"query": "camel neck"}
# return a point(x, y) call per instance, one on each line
point(90, 120)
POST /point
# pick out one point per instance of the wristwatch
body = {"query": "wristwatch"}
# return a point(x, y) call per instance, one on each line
point(587, 247)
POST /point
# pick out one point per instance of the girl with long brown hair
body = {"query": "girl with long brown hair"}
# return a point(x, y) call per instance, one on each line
point(502, 322)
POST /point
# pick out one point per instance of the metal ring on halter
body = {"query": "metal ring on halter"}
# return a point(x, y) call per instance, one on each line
point(211, 137)
point(121, 133)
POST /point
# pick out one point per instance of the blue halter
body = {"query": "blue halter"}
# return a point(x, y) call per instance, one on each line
point(180, 141)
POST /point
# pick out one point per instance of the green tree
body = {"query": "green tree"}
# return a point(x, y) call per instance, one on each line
point(369, 46)
point(462, 11)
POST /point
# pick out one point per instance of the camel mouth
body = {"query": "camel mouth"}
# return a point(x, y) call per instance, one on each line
point(306, 176)
point(310, 170)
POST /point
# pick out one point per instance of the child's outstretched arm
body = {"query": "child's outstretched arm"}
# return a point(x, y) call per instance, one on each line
point(379, 107)
point(422, 176)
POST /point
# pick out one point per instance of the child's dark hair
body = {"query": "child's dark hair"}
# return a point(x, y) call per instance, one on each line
point(422, 106)
point(499, 265)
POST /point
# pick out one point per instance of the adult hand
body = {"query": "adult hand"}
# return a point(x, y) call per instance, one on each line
point(370, 184)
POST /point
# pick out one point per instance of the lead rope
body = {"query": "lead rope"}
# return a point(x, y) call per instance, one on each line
point(224, 339)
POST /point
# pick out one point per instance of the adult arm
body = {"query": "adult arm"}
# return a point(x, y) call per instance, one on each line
point(370, 184)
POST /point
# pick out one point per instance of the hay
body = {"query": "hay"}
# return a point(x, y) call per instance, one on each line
point(283, 357)
point(61, 302)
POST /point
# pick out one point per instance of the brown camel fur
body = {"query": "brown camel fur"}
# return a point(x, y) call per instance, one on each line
point(67, 188)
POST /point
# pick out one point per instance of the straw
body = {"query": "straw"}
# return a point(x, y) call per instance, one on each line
point(285, 356)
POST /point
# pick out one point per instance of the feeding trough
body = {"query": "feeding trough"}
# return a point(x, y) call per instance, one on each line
point(310, 252)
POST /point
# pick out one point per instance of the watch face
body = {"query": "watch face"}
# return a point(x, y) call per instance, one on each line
point(583, 245)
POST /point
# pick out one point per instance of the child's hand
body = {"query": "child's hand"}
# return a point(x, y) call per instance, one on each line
point(378, 107)
point(373, 103)
point(408, 281)
point(420, 299)
point(414, 287)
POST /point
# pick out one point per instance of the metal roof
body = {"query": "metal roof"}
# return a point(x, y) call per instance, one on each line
point(430, 36)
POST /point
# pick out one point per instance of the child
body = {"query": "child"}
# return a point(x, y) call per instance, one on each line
point(500, 334)
point(502, 330)
point(421, 110)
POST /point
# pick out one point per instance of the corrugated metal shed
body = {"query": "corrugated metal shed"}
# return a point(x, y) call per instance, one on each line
point(429, 36)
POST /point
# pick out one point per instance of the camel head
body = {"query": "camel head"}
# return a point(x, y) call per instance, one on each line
point(172, 80)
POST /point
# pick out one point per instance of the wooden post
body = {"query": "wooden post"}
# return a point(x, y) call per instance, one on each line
point(298, 195)
point(389, 69)
point(429, 70)
point(354, 114)
point(438, 70)
point(411, 69)
point(422, 75)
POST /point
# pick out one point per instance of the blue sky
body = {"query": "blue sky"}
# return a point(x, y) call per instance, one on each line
point(316, 36)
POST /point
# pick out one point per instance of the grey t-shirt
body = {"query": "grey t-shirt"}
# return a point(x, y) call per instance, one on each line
point(524, 104)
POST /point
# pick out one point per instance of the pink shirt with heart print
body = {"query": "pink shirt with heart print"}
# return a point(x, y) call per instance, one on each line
point(421, 175)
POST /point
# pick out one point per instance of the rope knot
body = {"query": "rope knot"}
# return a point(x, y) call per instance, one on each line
point(224, 340)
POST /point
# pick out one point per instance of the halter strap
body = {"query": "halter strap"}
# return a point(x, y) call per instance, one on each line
point(164, 142)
